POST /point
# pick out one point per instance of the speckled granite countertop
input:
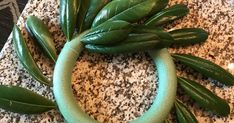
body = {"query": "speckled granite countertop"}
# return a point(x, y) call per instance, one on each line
point(121, 87)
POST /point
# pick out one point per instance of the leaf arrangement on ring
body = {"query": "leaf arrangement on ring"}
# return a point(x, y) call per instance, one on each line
point(123, 26)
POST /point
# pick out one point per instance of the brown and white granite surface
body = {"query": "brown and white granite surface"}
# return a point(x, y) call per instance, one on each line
point(121, 87)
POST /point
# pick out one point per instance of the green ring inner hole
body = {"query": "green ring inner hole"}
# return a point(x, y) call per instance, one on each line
point(115, 88)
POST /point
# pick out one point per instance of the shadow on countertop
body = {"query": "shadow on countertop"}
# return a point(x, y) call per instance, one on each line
point(9, 12)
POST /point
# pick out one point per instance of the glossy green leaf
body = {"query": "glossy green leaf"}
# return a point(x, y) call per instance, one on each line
point(88, 12)
point(107, 33)
point(167, 121)
point(128, 10)
point(206, 68)
point(183, 114)
point(25, 57)
point(140, 37)
point(20, 100)
point(134, 43)
point(204, 97)
point(68, 16)
point(81, 15)
point(168, 15)
point(140, 28)
point(150, 29)
point(40, 32)
point(188, 36)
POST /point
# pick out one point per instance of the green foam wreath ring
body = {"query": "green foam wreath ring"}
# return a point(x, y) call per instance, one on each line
point(72, 112)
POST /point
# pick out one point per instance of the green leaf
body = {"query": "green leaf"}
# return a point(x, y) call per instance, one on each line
point(128, 10)
point(206, 68)
point(134, 43)
point(168, 15)
point(188, 36)
point(68, 16)
point(26, 58)
point(167, 121)
point(204, 97)
point(20, 100)
point(88, 12)
point(107, 33)
point(81, 15)
point(40, 32)
point(150, 29)
point(183, 114)
point(140, 37)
